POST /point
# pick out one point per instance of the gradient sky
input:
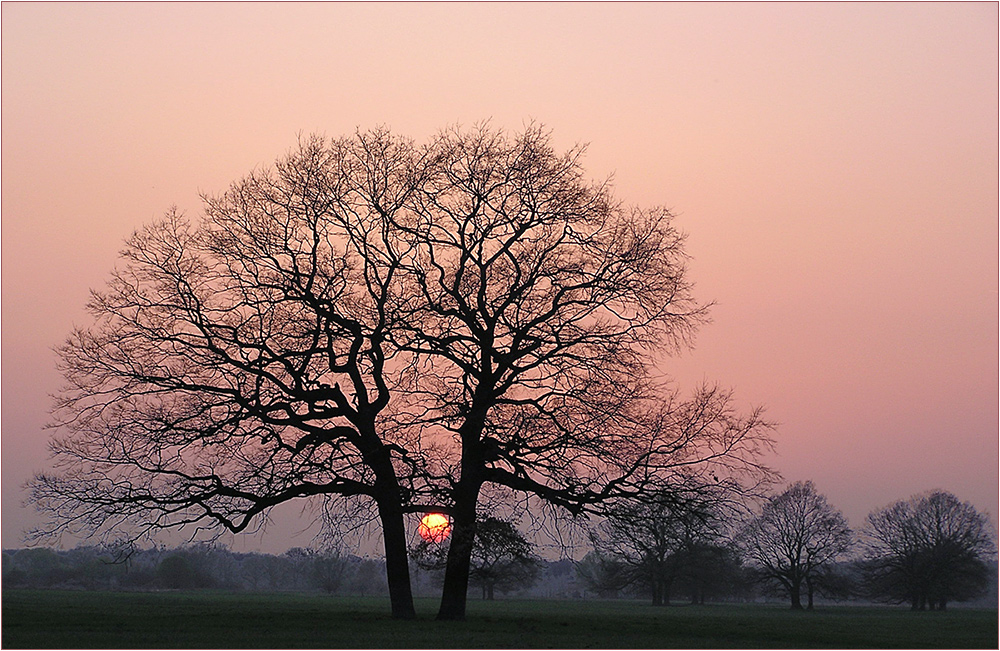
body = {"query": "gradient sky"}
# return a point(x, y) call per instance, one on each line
point(835, 167)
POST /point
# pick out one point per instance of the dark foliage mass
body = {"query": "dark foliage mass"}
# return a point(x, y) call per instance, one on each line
point(927, 551)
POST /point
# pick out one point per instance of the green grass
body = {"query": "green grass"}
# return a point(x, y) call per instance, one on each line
point(63, 619)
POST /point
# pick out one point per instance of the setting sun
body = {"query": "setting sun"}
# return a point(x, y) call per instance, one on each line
point(434, 527)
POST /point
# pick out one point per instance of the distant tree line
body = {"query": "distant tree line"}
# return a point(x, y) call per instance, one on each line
point(215, 567)
point(205, 566)
point(926, 552)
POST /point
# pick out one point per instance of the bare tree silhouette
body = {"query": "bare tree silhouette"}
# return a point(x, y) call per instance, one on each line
point(927, 550)
point(501, 556)
point(541, 302)
point(658, 538)
point(239, 362)
point(398, 326)
point(794, 538)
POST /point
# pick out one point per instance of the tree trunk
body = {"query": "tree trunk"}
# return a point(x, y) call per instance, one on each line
point(795, 591)
point(809, 595)
point(456, 574)
point(390, 513)
point(466, 498)
point(397, 569)
point(657, 593)
point(489, 592)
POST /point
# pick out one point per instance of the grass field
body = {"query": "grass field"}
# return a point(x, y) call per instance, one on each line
point(62, 619)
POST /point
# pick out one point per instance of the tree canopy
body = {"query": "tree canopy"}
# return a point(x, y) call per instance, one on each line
point(396, 325)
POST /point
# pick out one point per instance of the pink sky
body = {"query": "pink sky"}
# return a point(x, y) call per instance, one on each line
point(835, 166)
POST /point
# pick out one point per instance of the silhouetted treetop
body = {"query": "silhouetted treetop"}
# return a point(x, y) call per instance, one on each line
point(398, 325)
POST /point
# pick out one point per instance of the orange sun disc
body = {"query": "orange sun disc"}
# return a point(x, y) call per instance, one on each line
point(434, 527)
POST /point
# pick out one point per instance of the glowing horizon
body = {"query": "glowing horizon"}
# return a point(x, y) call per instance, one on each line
point(834, 166)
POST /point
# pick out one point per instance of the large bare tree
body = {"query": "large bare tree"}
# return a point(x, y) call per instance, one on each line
point(240, 361)
point(541, 302)
point(397, 324)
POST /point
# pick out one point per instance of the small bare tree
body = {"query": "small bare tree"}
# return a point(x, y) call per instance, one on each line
point(657, 537)
point(501, 557)
point(797, 534)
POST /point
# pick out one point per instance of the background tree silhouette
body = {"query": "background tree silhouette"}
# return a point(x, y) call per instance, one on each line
point(659, 539)
point(501, 557)
point(796, 535)
point(712, 569)
point(928, 550)
point(604, 575)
